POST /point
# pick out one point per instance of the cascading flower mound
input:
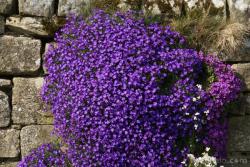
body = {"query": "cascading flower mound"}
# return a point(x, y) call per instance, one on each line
point(127, 93)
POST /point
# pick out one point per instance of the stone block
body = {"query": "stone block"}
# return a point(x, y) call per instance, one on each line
point(239, 10)
point(239, 134)
point(5, 83)
point(243, 70)
point(37, 7)
point(8, 164)
point(26, 102)
point(216, 6)
point(169, 7)
point(247, 103)
point(19, 55)
point(8, 7)
point(9, 143)
point(34, 136)
point(236, 159)
point(4, 110)
point(239, 106)
point(66, 7)
point(2, 23)
point(27, 25)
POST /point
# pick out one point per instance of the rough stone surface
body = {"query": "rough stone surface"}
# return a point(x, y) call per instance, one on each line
point(4, 110)
point(18, 127)
point(240, 107)
point(168, 7)
point(66, 7)
point(5, 83)
point(8, 164)
point(2, 25)
point(26, 102)
point(34, 136)
point(7, 6)
point(237, 159)
point(217, 6)
point(19, 55)
point(239, 134)
point(247, 103)
point(37, 7)
point(239, 10)
point(26, 25)
point(9, 143)
point(244, 71)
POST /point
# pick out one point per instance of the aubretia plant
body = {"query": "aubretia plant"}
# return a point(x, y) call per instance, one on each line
point(126, 93)
point(46, 155)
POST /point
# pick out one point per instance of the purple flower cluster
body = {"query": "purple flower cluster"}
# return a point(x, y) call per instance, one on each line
point(126, 93)
point(48, 155)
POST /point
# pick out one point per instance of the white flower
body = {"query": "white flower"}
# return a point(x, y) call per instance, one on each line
point(187, 113)
point(207, 149)
point(194, 99)
point(195, 118)
point(205, 160)
point(195, 126)
point(199, 86)
point(183, 162)
point(206, 112)
point(197, 113)
point(184, 107)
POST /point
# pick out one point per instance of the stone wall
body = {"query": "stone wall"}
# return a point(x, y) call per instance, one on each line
point(23, 41)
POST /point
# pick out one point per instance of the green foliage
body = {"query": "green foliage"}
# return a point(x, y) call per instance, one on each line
point(166, 83)
point(207, 76)
point(109, 6)
point(135, 4)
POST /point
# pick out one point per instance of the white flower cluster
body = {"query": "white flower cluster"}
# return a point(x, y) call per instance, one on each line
point(204, 161)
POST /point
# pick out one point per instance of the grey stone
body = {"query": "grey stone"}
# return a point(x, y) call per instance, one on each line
point(9, 143)
point(8, 7)
point(239, 10)
point(5, 83)
point(26, 102)
point(167, 7)
point(217, 6)
point(236, 159)
point(37, 7)
point(19, 55)
point(27, 25)
point(66, 7)
point(35, 135)
point(239, 106)
point(8, 164)
point(239, 134)
point(18, 127)
point(4, 110)
point(2, 23)
point(243, 70)
point(247, 104)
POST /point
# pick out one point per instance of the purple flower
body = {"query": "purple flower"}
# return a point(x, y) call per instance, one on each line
point(125, 93)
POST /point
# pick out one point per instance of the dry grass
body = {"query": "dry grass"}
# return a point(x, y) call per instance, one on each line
point(198, 27)
point(231, 37)
point(205, 29)
point(208, 32)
